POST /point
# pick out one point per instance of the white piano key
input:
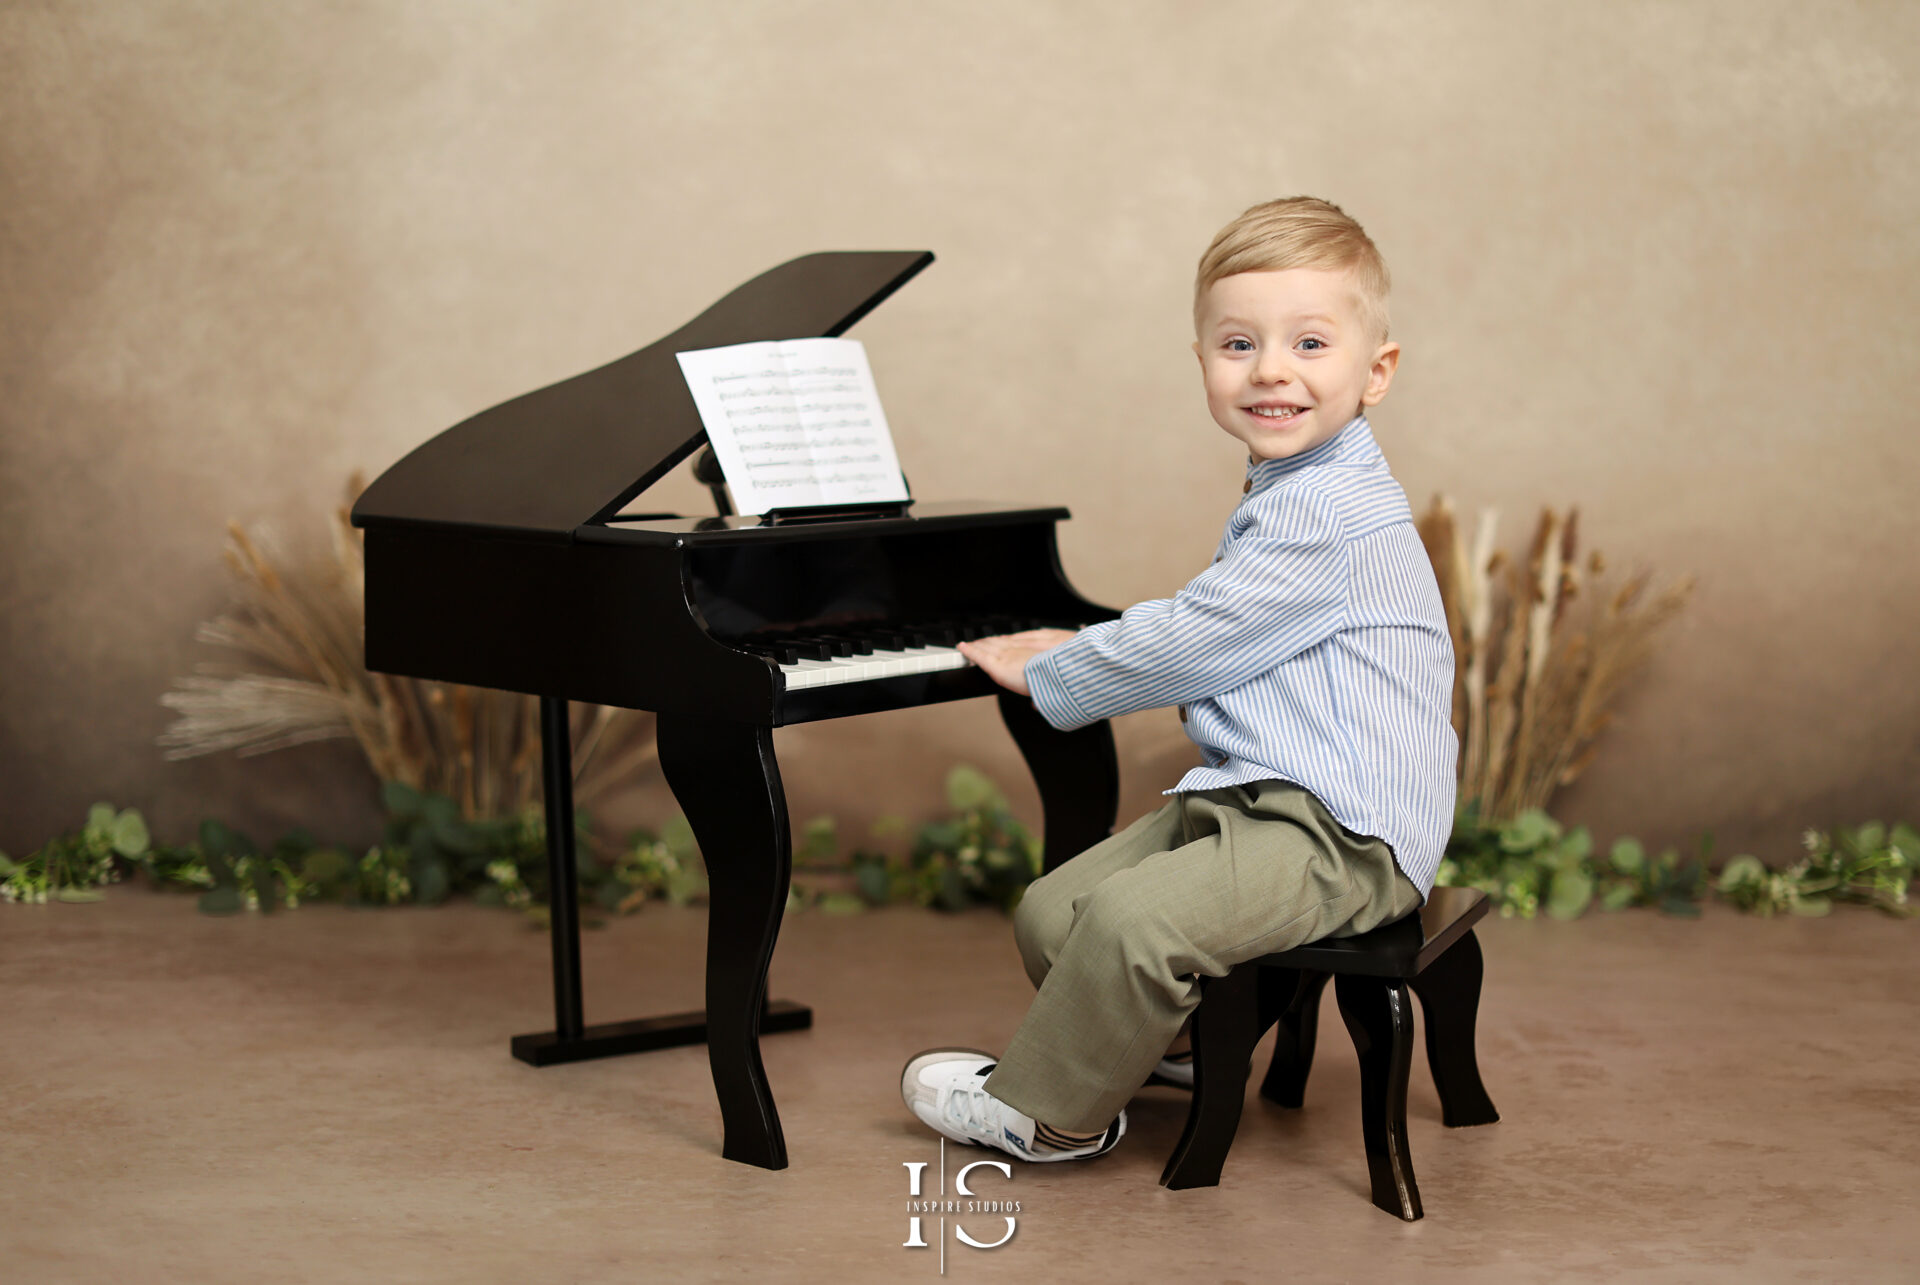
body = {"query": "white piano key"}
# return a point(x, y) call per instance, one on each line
point(877, 665)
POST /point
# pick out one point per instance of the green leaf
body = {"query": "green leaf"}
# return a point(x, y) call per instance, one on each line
point(100, 817)
point(1627, 856)
point(263, 887)
point(871, 878)
point(401, 799)
point(215, 839)
point(430, 885)
point(968, 789)
point(296, 842)
point(7, 866)
point(941, 836)
point(70, 893)
point(952, 889)
point(1812, 907)
point(1745, 868)
point(677, 834)
point(130, 837)
point(220, 870)
point(450, 834)
point(1577, 845)
point(1528, 832)
point(819, 841)
point(1680, 906)
point(684, 884)
point(1618, 897)
point(326, 867)
point(224, 900)
point(1569, 894)
point(841, 903)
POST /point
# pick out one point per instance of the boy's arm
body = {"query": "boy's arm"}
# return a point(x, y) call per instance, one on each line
point(1281, 588)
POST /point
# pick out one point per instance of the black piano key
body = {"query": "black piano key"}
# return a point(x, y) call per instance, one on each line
point(834, 646)
point(806, 649)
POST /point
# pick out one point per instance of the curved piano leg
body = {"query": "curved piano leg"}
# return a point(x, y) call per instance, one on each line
point(726, 780)
point(1078, 774)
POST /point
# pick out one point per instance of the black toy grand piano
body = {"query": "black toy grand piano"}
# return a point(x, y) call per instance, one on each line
point(497, 556)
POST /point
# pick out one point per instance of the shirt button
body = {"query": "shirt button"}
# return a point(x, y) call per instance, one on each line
point(1247, 486)
point(1183, 713)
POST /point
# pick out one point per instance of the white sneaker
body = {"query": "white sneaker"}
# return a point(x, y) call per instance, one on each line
point(944, 1087)
point(1178, 1074)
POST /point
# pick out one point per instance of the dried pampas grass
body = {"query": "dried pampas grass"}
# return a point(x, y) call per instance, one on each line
point(1537, 660)
point(301, 622)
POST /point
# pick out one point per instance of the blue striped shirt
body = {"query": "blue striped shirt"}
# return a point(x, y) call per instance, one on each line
point(1315, 650)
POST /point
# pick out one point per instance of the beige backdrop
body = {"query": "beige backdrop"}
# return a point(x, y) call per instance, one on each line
point(1655, 259)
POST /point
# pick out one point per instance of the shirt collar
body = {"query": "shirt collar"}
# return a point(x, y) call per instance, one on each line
point(1353, 443)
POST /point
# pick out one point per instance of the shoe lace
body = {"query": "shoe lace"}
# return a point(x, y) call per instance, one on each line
point(973, 1109)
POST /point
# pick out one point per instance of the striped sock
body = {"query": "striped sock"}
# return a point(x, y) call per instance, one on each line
point(1052, 1139)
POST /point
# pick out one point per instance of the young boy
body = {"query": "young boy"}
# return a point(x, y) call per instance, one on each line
point(1313, 669)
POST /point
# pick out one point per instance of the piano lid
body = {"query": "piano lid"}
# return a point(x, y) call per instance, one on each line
point(575, 452)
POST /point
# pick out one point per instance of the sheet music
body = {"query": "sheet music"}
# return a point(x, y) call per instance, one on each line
point(795, 422)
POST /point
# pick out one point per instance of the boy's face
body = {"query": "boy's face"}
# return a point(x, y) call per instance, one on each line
point(1288, 357)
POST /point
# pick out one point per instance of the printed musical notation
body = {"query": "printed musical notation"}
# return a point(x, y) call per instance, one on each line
point(795, 423)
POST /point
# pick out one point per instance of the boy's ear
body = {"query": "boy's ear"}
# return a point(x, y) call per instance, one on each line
point(1380, 378)
point(1198, 354)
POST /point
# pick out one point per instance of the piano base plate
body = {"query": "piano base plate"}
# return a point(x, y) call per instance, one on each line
point(644, 1034)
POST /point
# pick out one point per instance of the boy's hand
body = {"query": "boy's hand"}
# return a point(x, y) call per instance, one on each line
point(1005, 656)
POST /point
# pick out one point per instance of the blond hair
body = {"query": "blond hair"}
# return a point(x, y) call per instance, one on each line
point(1298, 232)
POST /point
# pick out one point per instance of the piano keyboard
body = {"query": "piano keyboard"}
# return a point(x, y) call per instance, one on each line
point(876, 664)
point(865, 654)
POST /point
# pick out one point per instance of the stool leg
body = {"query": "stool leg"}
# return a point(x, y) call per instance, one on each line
point(1449, 992)
point(1226, 1026)
point(1298, 1025)
point(1379, 1016)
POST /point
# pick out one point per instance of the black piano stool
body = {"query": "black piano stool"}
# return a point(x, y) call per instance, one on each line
point(1434, 952)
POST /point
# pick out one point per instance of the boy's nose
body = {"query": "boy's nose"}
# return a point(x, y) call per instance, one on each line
point(1271, 368)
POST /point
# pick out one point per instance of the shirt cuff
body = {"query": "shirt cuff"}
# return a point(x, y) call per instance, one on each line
point(1050, 694)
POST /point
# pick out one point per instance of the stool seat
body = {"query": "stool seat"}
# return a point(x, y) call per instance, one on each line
point(1433, 953)
point(1402, 948)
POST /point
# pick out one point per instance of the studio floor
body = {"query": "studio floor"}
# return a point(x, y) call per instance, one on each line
point(327, 1095)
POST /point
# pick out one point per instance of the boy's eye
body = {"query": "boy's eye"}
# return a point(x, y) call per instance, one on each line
point(1311, 345)
point(1239, 345)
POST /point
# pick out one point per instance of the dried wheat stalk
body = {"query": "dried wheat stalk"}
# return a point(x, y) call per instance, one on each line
point(300, 623)
point(1534, 674)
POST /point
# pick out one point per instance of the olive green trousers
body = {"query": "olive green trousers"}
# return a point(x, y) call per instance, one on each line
point(1117, 938)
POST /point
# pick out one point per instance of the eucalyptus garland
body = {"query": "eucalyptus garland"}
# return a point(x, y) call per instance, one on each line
point(978, 855)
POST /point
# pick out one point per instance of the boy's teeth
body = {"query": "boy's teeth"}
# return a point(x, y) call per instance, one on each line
point(1275, 412)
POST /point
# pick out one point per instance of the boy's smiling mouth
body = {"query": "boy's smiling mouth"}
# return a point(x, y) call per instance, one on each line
point(1274, 410)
